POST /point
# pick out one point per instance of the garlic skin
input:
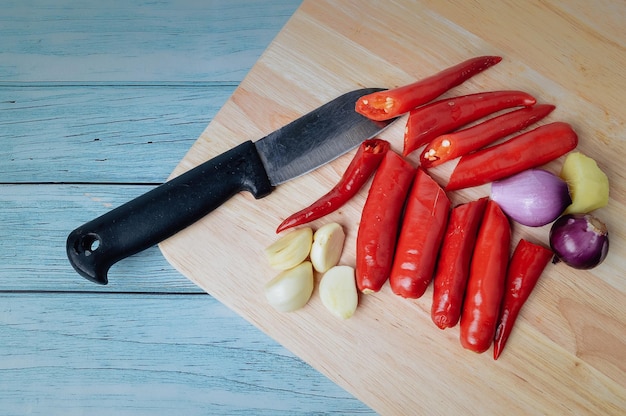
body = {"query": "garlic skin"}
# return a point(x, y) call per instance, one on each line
point(290, 250)
point(327, 246)
point(338, 291)
point(291, 289)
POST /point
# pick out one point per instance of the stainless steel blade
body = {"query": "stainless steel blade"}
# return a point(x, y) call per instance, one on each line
point(317, 138)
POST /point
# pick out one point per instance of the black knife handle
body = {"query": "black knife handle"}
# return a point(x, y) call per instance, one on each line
point(160, 213)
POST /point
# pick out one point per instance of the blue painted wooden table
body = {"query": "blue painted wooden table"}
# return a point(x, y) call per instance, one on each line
point(98, 103)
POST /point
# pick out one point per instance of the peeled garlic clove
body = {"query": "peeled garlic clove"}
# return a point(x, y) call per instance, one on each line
point(338, 291)
point(327, 246)
point(291, 289)
point(291, 249)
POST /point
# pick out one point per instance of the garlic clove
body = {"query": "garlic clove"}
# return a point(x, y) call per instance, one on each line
point(291, 249)
point(327, 246)
point(338, 291)
point(291, 289)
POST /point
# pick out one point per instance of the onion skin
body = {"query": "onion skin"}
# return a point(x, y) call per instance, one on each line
point(534, 197)
point(579, 240)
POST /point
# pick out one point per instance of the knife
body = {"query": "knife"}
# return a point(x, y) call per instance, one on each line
point(257, 167)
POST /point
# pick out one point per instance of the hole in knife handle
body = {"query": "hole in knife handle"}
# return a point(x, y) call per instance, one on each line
point(88, 244)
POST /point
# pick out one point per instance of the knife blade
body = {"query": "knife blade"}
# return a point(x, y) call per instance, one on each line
point(257, 167)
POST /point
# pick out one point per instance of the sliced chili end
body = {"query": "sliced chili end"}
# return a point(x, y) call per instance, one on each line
point(412, 141)
point(408, 147)
point(376, 146)
point(437, 152)
point(378, 106)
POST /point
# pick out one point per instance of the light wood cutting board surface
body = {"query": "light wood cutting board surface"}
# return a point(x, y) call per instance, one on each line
point(567, 354)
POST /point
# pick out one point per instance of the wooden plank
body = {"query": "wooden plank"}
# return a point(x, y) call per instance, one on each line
point(136, 354)
point(567, 352)
point(107, 133)
point(172, 40)
point(36, 220)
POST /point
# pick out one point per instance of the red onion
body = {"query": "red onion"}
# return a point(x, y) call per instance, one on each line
point(534, 197)
point(579, 240)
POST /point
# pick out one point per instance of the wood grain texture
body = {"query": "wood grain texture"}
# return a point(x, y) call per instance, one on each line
point(103, 132)
point(182, 40)
point(35, 224)
point(98, 102)
point(567, 352)
point(73, 353)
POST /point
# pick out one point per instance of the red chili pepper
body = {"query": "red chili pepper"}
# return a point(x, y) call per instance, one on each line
point(454, 262)
point(385, 105)
point(380, 219)
point(526, 265)
point(443, 116)
point(528, 150)
point(421, 233)
point(485, 285)
point(452, 145)
point(365, 162)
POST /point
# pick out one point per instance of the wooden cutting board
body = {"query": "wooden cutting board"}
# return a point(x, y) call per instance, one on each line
point(567, 354)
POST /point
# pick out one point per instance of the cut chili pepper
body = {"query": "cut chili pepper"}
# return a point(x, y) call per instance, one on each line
point(421, 233)
point(443, 116)
point(385, 105)
point(485, 285)
point(528, 150)
point(459, 143)
point(526, 265)
point(380, 219)
point(454, 262)
point(365, 162)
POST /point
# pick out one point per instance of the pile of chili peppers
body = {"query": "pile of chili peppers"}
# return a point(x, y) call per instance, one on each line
point(409, 233)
